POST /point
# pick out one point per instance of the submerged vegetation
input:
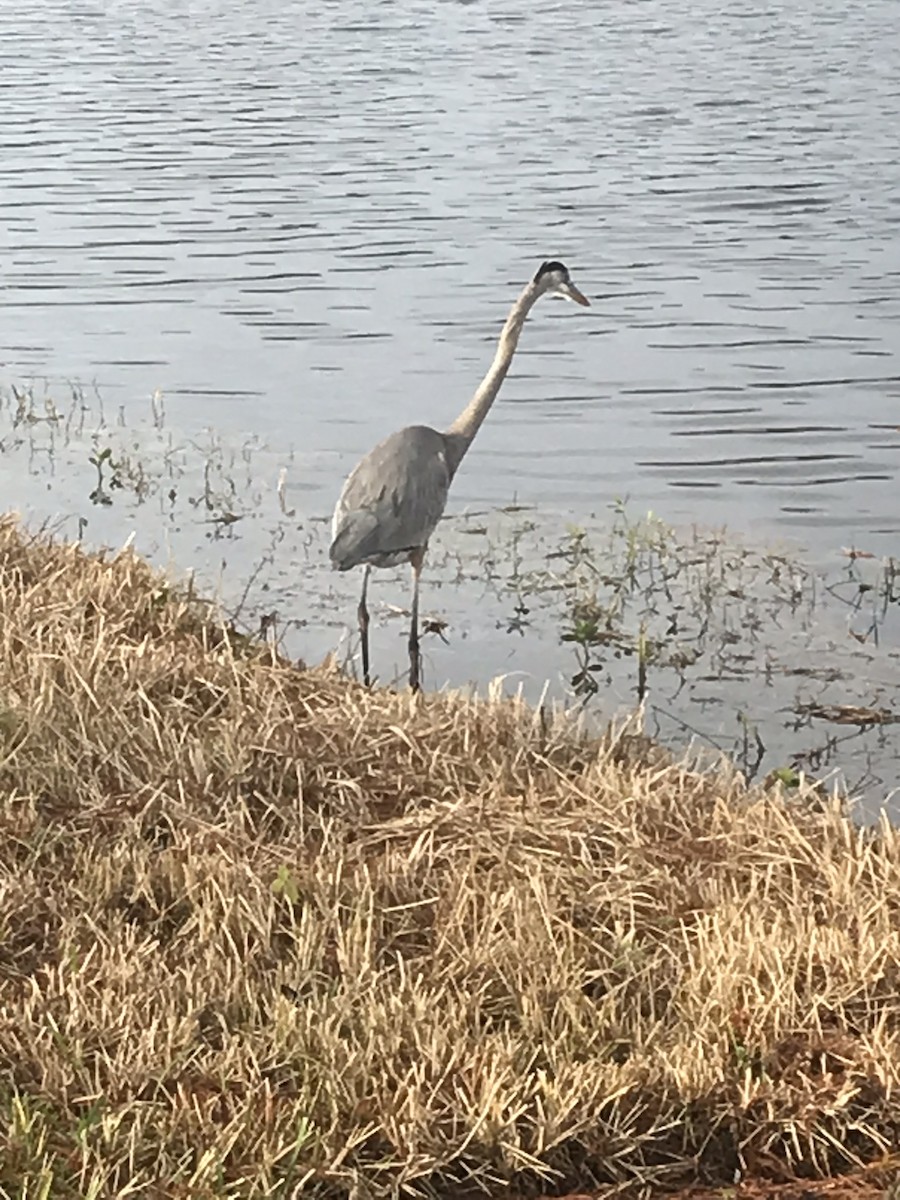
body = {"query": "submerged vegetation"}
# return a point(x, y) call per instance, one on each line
point(704, 619)
point(265, 931)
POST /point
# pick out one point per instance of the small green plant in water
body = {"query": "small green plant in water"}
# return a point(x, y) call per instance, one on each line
point(103, 458)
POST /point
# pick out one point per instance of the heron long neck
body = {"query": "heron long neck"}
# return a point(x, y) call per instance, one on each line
point(460, 434)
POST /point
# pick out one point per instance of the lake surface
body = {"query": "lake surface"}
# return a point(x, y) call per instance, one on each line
point(304, 224)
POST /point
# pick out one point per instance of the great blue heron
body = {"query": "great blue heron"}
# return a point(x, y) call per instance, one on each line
point(395, 496)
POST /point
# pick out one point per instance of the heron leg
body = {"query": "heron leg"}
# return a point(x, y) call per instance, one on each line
point(415, 663)
point(362, 614)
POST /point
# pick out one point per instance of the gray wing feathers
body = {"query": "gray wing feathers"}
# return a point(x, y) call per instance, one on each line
point(392, 500)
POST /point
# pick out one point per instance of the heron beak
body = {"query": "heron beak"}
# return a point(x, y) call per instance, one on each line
point(572, 293)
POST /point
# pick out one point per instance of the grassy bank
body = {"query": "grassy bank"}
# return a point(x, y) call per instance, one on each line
point(263, 932)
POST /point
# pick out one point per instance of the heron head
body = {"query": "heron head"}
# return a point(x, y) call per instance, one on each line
point(553, 278)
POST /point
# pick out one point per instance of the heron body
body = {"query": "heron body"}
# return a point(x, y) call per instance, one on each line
point(395, 496)
point(381, 526)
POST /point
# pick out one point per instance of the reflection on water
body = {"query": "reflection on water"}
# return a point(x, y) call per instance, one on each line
point(307, 220)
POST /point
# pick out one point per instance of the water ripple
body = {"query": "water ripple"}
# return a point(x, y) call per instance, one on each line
point(318, 207)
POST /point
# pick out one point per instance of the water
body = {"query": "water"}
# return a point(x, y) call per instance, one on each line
point(304, 224)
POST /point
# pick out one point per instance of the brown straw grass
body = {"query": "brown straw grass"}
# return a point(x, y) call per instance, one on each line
point(265, 933)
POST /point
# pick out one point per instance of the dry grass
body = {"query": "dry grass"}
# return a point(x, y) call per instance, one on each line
point(262, 932)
